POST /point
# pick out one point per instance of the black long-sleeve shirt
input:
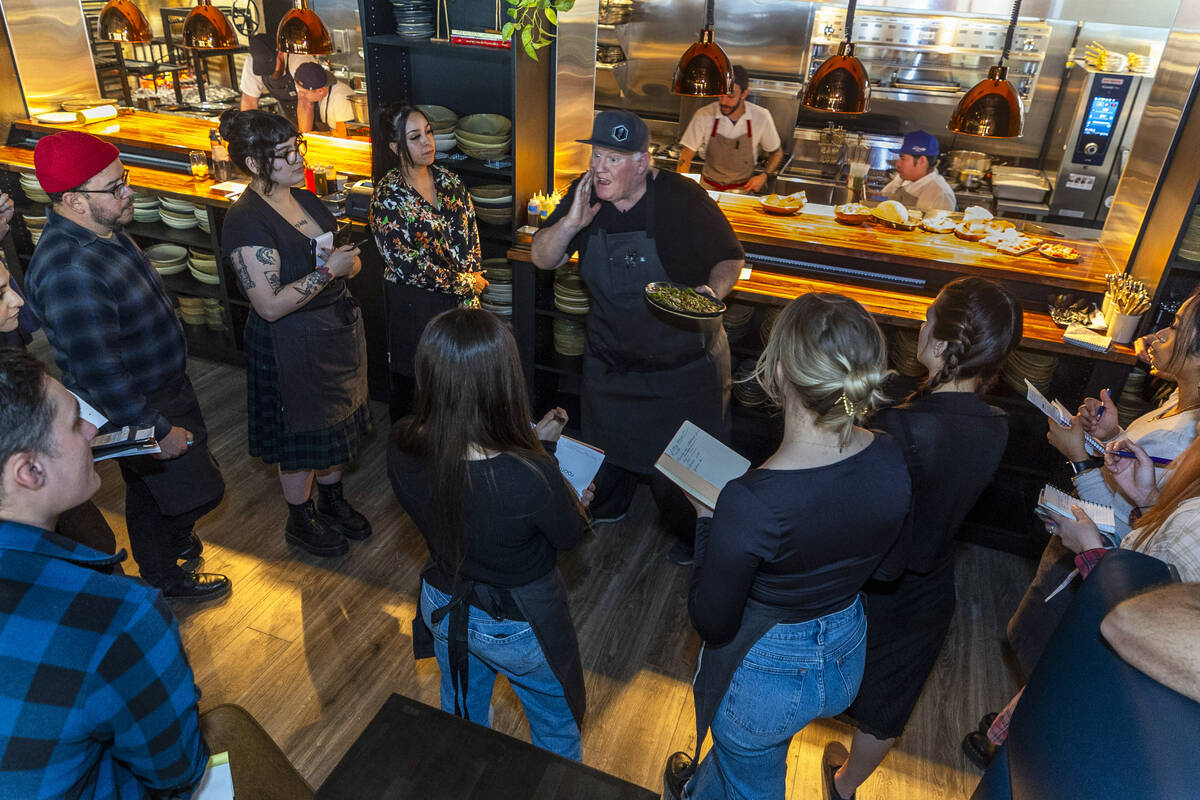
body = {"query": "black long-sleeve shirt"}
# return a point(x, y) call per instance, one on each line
point(805, 540)
point(517, 517)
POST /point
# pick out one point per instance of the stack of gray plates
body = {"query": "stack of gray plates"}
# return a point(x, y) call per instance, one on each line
point(202, 219)
point(737, 320)
point(442, 120)
point(1034, 365)
point(497, 298)
point(35, 223)
point(33, 189)
point(414, 18)
point(203, 265)
point(145, 207)
point(568, 336)
point(178, 214)
point(493, 203)
point(570, 293)
point(746, 388)
point(487, 137)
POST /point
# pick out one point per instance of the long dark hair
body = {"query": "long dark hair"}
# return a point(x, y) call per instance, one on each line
point(981, 323)
point(470, 393)
point(391, 124)
point(254, 135)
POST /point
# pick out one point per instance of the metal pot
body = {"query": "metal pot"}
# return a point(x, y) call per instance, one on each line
point(359, 103)
point(958, 161)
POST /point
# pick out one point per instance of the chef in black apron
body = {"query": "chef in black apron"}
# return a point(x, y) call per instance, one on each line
point(274, 71)
point(731, 162)
point(644, 372)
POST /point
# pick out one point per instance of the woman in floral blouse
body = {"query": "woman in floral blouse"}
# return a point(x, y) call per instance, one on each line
point(424, 225)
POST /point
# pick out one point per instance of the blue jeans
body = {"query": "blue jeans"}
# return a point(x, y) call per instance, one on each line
point(792, 675)
point(508, 647)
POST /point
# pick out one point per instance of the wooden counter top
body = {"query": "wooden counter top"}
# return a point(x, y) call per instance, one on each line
point(814, 230)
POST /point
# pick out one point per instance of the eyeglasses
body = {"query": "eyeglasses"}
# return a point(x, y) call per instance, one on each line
point(115, 190)
point(299, 149)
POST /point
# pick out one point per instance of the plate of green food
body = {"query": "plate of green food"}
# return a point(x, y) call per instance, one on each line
point(682, 300)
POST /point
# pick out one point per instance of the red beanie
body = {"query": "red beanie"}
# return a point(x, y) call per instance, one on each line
point(68, 159)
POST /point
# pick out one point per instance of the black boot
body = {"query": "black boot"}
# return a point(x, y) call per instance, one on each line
point(339, 513)
point(309, 531)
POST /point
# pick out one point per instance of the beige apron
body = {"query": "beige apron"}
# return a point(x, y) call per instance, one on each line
point(729, 163)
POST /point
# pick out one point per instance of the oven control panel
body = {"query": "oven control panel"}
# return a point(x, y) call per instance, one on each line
point(1100, 118)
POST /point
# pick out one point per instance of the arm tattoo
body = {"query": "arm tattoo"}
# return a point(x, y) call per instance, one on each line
point(272, 277)
point(312, 283)
point(266, 256)
point(243, 273)
point(300, 223)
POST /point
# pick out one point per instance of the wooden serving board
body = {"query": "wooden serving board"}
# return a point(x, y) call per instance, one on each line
point(814, 230)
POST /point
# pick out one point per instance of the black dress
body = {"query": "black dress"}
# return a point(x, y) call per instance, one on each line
point(251, 222)
point(953, 442)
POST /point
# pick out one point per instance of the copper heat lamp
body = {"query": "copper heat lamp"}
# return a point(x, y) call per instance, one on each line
point(122, 21)
point(992, 107)
point(840, 85)
point(704, 69)
point(206, 28)
point(301, 31)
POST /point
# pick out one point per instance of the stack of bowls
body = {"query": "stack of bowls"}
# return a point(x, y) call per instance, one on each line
point(212, 314)
point(487, 137)
point(568, 337)
point(570, 293)
point(1034, 365)
point(145, 207)
point(1189, 248)
point(737, 320)
point(442, 120)
point(493, 203)
point(35, 223)
point(33, 189)
point(414, 18)
point(202, 219)
point(191, 310)
point(167, 259)
point(203, 265)
point(746, 388)
point(498, 296)
point(178, 214)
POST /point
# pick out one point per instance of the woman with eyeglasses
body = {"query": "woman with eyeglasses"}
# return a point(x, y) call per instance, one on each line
point(306, 371)
point(424, 225)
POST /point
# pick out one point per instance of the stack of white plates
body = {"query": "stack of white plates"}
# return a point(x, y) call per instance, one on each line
point(498, 296)
point(203, 265)
point(167, 259)
point(35, 223)
point(176, 213)
point(145, 207)
point(442, 120)
point(570, 293)
point(33, 189)
point(202, 219)
point(487, 137)
point(414, 18)
point(568, 336)
point(493, 203)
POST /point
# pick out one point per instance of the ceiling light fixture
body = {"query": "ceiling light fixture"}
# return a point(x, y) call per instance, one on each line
point(301, 31)
point(206, 28)
point(840, 85)
point(122, 21)
point(992, 107)
point(704, 69)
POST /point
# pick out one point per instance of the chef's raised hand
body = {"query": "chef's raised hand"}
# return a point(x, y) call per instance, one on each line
point(1099, 417)
point(582, 210)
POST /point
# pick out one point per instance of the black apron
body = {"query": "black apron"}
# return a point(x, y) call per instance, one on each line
point(182, 484)
point(319, 123)
point(283, 89)
point(644, 372)
point(321, 352)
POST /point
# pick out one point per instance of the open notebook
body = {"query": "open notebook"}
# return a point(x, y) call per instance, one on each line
point(700, 464)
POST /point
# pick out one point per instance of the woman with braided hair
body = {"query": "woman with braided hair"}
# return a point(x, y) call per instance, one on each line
point(952, 442)
point(781, 560)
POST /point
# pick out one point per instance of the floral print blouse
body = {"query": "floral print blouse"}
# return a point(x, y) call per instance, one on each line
point(431, 248)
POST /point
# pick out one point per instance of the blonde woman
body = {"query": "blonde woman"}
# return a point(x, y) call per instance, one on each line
point(781, 560)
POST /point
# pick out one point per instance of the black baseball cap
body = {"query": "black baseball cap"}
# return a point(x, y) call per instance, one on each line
point(619, 130)
point(311, 75)
point(262, 54)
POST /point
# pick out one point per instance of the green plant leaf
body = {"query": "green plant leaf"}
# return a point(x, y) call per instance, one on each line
point(507, 30)
point(564, 5)
point(552, 15)
point(529, 51)
point(512, 13)
point(526, 37)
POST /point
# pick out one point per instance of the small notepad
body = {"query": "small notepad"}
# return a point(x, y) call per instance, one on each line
point(1086, 337)
point(700, 464)
point(1060, 502)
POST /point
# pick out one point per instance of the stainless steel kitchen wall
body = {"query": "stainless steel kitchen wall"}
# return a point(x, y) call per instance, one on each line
point(12, 102)
point(52, 51)
point(573, 88)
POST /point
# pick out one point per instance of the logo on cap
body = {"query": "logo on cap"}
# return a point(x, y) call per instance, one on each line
point(620, 133)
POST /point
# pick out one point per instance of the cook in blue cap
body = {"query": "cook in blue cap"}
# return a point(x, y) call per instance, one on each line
point(917, 183)
point(645, 371)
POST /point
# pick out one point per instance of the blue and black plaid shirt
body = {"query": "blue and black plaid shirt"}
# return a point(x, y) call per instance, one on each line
point(108, 317)
point(97, 699)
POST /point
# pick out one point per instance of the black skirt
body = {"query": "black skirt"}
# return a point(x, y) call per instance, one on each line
point(905, 632)
point(409, 309)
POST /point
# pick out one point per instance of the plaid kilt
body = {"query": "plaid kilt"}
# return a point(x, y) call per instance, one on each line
point(267, 434)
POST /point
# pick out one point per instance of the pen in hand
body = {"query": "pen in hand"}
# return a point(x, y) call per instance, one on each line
point(1162, 462)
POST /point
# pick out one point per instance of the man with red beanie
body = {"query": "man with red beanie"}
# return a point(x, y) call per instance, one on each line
point(120, 346)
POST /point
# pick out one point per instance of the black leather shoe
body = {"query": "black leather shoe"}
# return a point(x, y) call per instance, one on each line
point(978, 749)
point(193, 550)
point(831, 761)
point(678, 771)
point(310, 531)
point(198, 586)
point(340, 514)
